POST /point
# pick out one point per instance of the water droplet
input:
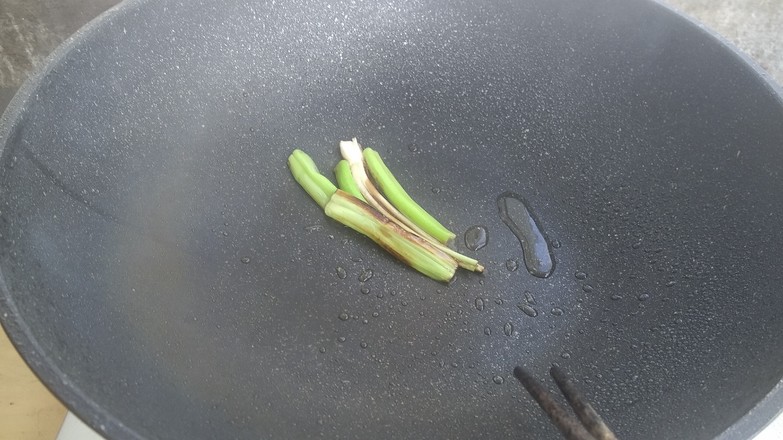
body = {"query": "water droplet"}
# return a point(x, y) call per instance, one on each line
point(313, 228)
point(587, 288)
point(365, 275)
point(476, 237)
point(517, 216)
point(529, 298)
point(322, 349)
point(556, 244)
point(375, 314)
point(616, 297)
point(245, 260)
point(643, 297)
point(343, 316)
point(565, 355)
point(529, 311)
point(365, 290)
point(671, 283)
point(413, 147)
point(580, 276)
point(341, 339)
point(636, 245)
point(364, 321)
point(479, 304)
point(512, 264)
point(499, 302)
point(557, 311)
point(508, 329)
point(498, 379)
point(487, 331)
point(363, 344)
point(341, 274)
point(379, 295)
point(225, 233)
point(435, 190)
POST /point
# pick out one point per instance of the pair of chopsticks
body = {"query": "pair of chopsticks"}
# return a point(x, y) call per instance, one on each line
point(588, 426)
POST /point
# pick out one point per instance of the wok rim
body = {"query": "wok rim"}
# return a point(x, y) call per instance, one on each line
point(764, 413)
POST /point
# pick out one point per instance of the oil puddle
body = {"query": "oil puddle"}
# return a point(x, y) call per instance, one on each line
point(516, 214)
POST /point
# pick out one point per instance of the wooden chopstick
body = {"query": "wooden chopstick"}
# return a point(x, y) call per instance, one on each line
point(582, 408)
point(568, 425)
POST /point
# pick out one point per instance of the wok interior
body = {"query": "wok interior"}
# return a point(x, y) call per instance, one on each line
point(148, 166)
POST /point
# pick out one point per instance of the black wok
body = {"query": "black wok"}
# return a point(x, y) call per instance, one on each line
point(147, 163)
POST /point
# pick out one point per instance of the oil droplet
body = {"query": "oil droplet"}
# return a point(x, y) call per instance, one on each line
point(580, 276)
point(363, 344)
point(517, 216)
point(587, 288)
point(479, 304)
point(343, 316)
point(512, 264)
point(365, 275)
point(529, 298)
point(341, 339)
point(498, 379)
point(529, 311)
point(643, 297)
point(557, 311)
point(245, 260)
point(341, 274)
point(487, 331)
point(476, 237)
point(508, 329)
point(365, 290)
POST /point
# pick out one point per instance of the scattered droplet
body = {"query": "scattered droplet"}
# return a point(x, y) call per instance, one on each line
point(322, 349)
point(587, 288)
point(364, 321)
point(580, 276)
point(616, 297)
point(557, 311)
point(499, 302)
point(365, 275)
point(365, 290)
point(375, 314)
point(643, 297)
point(515, 214)
point(341, 339)
point(479, 304)
point(636, 245)
point(313, 228)
point(671, 283)
point(379, 295)
point(529, 298)
point(225, 233)
point(343, 316)
point(413, 147)
point(565, 355)
point(512, 264)
point(498, 379)
point(476, 237)
point(556, 244)
point(529, 311)
point(487, 331)
point(363, 344)
point(508, 329)
point(341, 274)
point(436, 190)
point(245, 260)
